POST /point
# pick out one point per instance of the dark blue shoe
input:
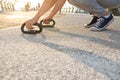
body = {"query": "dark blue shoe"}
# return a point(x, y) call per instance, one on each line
point(92, 22)
point(102, 23)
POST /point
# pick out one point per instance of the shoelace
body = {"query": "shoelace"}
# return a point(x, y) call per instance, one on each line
point(99, 22)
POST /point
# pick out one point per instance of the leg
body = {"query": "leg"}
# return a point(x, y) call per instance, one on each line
point(91, 6)
point(96, 6)
point(110, 4)
point(98, 9)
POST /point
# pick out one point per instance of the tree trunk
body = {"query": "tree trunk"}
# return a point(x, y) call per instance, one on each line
point(1, 4)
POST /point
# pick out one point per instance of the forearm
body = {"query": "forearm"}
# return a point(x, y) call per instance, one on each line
point(47, 4)
point(57, 7)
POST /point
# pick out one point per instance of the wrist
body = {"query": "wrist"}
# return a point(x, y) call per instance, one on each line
point(50, 16)
point(35, 19)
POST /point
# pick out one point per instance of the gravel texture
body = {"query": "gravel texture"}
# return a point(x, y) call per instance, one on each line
point(67, 52)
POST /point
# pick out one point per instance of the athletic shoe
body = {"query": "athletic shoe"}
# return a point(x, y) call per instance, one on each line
point(102, 23)
point(92, 22)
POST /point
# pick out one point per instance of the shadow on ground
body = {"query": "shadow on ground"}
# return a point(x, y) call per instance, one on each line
point(99, 63)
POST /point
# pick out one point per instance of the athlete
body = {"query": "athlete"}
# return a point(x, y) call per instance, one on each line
point(101, 19)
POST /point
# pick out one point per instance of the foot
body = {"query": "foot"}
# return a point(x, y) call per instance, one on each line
point(93, 21)
point(102, 23)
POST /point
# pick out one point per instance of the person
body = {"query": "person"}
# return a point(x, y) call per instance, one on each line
point(101, 19)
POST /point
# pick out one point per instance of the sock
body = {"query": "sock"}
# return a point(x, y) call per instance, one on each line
point(107, 15)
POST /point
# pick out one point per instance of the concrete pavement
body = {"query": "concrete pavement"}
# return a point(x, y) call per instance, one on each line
point(67, 52)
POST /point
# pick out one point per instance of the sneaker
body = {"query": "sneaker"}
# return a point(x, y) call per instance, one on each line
point(92, 23)
point(102, 23)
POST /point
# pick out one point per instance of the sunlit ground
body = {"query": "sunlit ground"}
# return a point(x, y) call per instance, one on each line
point(16, 18)
point(12, 16)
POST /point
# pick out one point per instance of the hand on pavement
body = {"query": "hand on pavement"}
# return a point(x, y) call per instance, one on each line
point(29, 23)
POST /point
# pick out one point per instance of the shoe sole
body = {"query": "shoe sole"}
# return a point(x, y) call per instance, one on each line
point(99, 29)
point(89, 26)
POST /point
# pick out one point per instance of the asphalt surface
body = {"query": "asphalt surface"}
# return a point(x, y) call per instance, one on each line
point(67, 52)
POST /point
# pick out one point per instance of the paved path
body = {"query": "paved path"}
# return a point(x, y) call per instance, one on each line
point(67, 52)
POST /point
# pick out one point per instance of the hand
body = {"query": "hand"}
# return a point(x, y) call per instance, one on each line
point(46, 20)
point(29, 23)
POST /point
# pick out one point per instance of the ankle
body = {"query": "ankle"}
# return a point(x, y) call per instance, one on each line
point(107, 14)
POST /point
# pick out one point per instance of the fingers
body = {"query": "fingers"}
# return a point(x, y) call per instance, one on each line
point(28, 24)
point(46, 20)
